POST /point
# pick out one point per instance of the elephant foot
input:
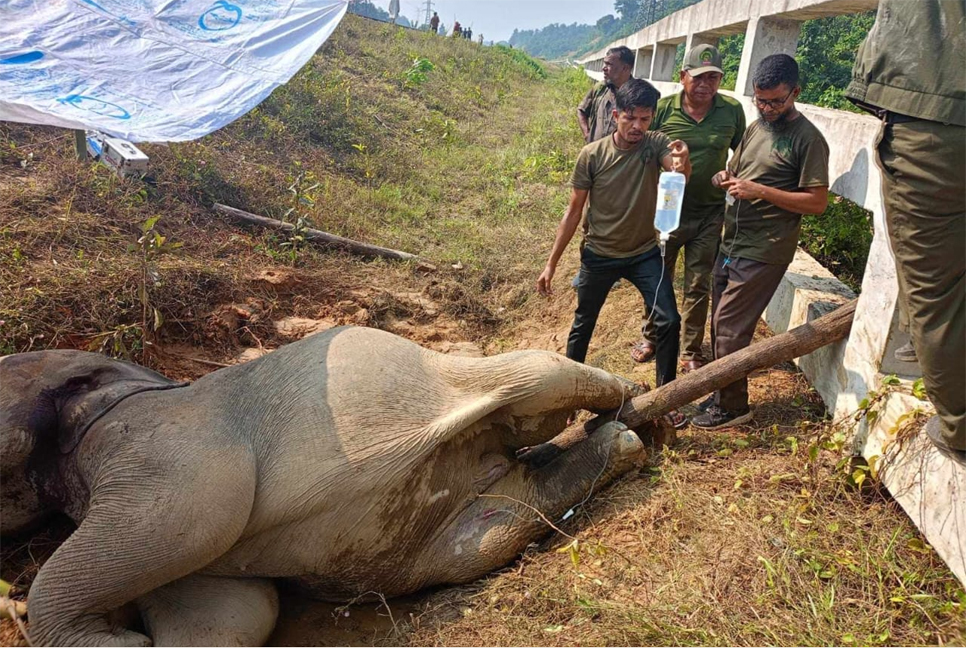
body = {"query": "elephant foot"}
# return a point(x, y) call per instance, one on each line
point(211, 611)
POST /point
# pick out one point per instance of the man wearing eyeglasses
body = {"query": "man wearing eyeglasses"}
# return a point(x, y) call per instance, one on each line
point(778, 173)
point(909, 73)
point(710, 124)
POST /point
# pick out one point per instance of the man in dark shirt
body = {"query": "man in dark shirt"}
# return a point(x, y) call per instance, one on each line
point(434, 23)
point(709, 123)
point(595, 112)
point(778, 173)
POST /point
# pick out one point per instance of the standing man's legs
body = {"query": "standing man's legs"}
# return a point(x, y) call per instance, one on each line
point(923, 166)
point(699, 255)
point(741, 292)
point(645, 274)
point(595, 279)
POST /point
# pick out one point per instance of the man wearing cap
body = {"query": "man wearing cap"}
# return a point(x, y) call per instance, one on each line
point(710, 124)
point(909, 73)
point(596, 112)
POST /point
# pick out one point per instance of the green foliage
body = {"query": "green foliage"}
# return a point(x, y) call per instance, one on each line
point(556, 40)
point(826, 53)
point(840, 239)
point(730, 48)
point(417, 74)
point(302, 192)
point(525, 60)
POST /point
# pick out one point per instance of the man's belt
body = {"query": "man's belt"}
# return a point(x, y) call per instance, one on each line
point(890, 117)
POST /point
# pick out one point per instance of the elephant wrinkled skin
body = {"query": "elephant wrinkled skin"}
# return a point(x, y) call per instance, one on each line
point(352, 461)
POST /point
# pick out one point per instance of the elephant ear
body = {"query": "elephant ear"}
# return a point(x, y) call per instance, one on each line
point(48, 401)
point(56, 395)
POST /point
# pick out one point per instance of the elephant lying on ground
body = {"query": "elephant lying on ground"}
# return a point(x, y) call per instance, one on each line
point(352, 461)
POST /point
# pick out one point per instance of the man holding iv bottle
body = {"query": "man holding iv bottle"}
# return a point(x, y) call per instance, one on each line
point(618, 177)
point(778, 173)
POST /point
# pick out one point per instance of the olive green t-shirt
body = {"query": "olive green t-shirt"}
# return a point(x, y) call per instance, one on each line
point(708, 142)
point(791, 159)
point(623, 194)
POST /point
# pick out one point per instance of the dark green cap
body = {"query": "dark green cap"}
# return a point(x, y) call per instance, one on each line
point(701, 59)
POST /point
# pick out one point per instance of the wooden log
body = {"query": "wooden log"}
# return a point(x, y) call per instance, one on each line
point(317, 236)
point(795, 343)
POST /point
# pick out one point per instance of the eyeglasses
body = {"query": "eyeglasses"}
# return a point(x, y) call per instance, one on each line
point(774, 104)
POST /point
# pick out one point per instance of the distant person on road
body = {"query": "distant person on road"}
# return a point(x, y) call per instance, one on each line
point(778, 173)
point(468, 33)
point(617, 177)
point(393, 10)
point(710, 123)
point(434, 23)
point(481, 39)
point(595, 114)
point(909, 73)
point(457, 30)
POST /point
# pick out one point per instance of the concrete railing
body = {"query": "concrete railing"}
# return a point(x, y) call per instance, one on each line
point(930, 487)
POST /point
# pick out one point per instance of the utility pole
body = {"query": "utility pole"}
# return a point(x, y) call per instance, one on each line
point(429, 11)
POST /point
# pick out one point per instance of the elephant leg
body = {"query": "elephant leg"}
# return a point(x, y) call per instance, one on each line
point(211, 611)
point(499, 525)
point(152, 519)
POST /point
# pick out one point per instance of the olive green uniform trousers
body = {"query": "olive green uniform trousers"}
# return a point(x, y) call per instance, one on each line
point(699, 235)
point(923, 166)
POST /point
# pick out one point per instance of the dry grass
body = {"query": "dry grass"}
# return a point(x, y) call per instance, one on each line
point(727, 539)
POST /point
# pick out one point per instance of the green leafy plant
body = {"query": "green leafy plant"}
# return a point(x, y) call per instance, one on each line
point(418, 73)
point(127, 340)
point(301, 189)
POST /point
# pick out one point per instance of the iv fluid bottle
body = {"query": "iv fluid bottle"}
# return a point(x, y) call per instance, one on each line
point(670, 198)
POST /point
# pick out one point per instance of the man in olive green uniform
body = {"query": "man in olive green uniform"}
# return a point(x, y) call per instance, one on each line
point(710, 124)
point(595, 114)
point(778, 173)
point(910, 72)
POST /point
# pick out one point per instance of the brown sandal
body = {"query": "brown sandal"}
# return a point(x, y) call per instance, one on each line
point(642, 351)
point(676, 419)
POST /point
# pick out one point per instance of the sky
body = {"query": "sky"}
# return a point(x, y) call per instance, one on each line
point(496, 19)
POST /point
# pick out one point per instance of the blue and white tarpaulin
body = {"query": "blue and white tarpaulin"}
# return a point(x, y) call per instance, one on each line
point(152, 70)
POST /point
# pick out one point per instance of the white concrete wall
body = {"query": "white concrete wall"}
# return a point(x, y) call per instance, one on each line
point(930, 488)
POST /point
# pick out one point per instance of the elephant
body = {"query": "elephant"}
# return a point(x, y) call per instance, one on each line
point(350, 462)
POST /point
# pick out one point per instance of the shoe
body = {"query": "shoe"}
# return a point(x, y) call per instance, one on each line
point(692, 365)
point(906, 353)
point(934, 432)
point(705, 404)
point(715, 417)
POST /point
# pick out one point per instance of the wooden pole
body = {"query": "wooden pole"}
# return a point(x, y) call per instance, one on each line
point(317, 236)
point(80, 144)
point(795, 343)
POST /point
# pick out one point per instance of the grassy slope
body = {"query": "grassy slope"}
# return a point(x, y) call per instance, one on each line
point(462, 169)
point(730, 539)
